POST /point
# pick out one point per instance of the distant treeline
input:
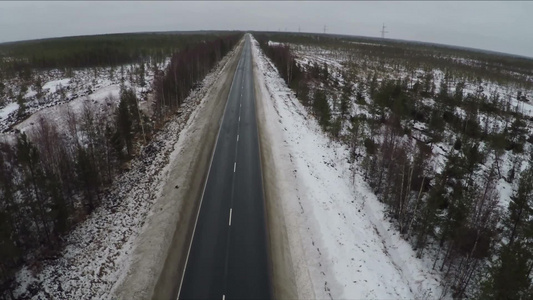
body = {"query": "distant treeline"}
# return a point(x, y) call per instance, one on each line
point(18, 58)
point(187, 68)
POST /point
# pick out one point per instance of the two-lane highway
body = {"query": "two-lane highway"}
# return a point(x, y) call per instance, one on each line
point(227, 258)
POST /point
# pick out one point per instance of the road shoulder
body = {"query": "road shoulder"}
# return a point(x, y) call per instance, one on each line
point(284, 279)
point(159, 257)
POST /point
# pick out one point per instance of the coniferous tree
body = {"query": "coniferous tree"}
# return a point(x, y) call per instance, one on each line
point(510, 277)
point(124, 125)
point(2, 92)
point(38, 85)
point(28, 158)
point(520, 209)
point(22, 106)
point(88, 178)
point(345, 100)
point(142, 71)
point(321, 108)
point(359, 96)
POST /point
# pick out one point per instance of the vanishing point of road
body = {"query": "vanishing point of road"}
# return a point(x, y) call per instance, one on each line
point(227, 258)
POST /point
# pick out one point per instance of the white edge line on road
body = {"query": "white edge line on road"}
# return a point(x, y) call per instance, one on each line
point(209, 171)
point(223, 297)
point(230, 211)
point(237, 137)
point(234, 166)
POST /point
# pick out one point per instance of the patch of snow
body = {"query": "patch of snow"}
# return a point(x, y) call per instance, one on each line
point(272, 43)
point(53, 85)
point(7, 110)
point(30, 93)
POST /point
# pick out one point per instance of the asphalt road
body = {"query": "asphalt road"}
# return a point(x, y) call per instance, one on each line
point(228, 254)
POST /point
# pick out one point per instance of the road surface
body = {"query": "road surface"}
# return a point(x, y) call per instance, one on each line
point(227, 258)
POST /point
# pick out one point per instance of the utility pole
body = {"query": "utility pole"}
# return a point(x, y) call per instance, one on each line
point(325, 29)
point(383, 31)
point(299, 29)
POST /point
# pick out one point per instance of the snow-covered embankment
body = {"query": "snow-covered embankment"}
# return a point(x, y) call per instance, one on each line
point(339, 243)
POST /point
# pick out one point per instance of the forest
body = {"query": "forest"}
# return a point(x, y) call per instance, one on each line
point(442, 136)
point(51, 177)
point(20, 58)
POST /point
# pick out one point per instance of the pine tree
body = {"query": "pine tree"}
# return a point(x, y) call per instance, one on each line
point(325, 73)
point(520, 207)
point(59, 209)
point(10, 218)
point(359, 96)
point(88, 178)
point(28, 157)
point(9, 252)
point(129, 97)
point(38, 85)
point(142, 71)
point(510, 277)
point(345, 99)
point(124, 125)
point(22, 106)
point(2, 91)
point(373, 86)
point(321, 109)
point(303, 92)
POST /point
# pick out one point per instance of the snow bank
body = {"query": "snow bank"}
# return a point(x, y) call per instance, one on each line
point(349, 249)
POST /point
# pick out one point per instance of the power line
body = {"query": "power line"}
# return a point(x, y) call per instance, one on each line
point(383, 31)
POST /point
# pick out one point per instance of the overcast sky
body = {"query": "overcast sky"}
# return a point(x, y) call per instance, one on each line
point(501, 26)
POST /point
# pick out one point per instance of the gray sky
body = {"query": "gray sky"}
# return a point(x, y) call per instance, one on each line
point(501, 26)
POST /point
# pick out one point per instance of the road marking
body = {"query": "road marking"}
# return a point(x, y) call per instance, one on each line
point(223, 297)
point(237, 137)
point(230, 211)
point(234, 166)
point(239, 118)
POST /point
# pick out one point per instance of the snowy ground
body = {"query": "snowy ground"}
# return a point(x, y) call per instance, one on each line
point(98, 250)
point(58, 90)
point(338, 61)
point(349, 249)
